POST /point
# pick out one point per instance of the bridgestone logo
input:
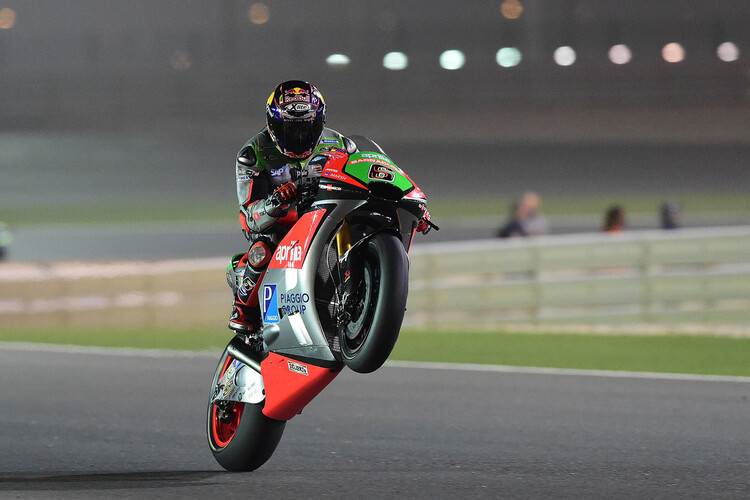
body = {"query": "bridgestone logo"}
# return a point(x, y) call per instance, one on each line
point(297, 368)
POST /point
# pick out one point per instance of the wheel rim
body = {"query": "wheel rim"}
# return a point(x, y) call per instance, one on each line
point(226, 418)
point(356, 331)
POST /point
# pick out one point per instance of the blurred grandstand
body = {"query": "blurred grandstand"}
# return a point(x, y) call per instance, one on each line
point(527, 69)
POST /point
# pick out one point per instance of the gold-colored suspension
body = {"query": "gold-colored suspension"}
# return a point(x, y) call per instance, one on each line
point(343, 239)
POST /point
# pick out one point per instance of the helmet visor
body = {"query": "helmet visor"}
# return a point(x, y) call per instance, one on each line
point(297, 138)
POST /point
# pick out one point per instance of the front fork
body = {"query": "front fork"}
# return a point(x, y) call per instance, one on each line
point(350, 275)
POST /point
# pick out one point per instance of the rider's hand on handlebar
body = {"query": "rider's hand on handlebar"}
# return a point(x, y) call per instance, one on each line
point(284, 195)
point(424, 226)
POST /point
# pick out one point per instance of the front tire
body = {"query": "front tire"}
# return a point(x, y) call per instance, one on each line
point(240, 436)
point(369, 336)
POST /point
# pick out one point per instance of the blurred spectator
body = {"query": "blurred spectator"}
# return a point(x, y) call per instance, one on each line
point(5, 239)
point(614, 219)
point(525, 219)
point(670, 215)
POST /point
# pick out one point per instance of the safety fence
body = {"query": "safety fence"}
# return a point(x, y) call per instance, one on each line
point(650, 277)
point(699, 276)
point(181, 293)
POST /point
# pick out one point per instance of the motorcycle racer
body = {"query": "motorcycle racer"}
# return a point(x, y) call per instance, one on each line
point(270, 168)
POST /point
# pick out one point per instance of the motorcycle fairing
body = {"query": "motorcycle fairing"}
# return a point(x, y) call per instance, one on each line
point(334, 169)
point(292, 250)
point(239, 383)
point(304, 355)
point(291, 384)
point(295, 328)
point(370, 167)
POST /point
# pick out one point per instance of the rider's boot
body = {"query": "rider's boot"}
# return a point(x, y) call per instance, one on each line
point(244, 318)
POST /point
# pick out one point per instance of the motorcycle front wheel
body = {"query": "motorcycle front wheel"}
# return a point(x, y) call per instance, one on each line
point(240, 436)
point(367, 339)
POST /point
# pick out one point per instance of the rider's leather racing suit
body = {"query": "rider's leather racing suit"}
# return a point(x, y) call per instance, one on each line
point(261, 168)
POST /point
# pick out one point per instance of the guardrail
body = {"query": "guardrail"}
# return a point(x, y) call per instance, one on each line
point(664, 277)
point(697, 276)
point(177, 293)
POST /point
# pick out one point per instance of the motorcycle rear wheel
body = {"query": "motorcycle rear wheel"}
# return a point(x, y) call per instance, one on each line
point(368, 338)
point(240, 436)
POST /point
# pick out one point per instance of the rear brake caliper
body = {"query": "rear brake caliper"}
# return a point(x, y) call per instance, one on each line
point(224, 410)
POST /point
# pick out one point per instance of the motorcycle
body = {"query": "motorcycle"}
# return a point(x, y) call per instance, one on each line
point(333, 296)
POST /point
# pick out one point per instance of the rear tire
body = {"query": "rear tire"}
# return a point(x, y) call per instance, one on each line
point(368, 339)
point(240, 436)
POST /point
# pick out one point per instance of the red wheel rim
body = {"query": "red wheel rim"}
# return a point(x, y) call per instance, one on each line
point(223, 430)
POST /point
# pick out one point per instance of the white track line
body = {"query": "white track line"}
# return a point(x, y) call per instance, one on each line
point(165, 353)
point(564, 371)
point(106, 351)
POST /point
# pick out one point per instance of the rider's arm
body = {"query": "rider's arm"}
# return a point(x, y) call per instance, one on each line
point(259, 208)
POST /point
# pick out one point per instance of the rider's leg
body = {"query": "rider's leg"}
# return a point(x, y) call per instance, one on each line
point(245, 317)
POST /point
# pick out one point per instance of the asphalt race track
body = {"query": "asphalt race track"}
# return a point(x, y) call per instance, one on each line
point(92, 423)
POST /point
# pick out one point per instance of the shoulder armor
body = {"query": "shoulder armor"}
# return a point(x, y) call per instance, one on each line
point(246, 156)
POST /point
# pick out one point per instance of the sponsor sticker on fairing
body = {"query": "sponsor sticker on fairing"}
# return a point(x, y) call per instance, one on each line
point(380, 172)
point(297, 367)
point(293, 303)
point(329, 141)
point(289, 255)
point(270, 304)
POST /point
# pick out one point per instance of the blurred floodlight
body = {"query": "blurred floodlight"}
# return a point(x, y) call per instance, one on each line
point(620, 54)
point(337, 60)
point(452, 59)
point(507, 57)
point(7, 18)
point(181, 60)
point(395, 60)
point(259, 13)
point(728, 52)
point(565, 55)
point(511, 9)
point(673, 53)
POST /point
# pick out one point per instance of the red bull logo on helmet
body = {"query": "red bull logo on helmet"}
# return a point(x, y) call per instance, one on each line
point(297, 94)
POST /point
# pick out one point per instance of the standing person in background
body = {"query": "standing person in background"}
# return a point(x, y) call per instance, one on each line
point(5, 239)
point(670, 215)
point(525, 218)
point(534, 224)
point(614, 219)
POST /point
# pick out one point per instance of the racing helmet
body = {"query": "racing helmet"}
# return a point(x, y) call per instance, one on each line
point(295, 115)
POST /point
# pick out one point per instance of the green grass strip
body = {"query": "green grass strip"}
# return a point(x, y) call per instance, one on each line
point(446, 208)
point(188, 339)
point(667, 353)
point(120, 213)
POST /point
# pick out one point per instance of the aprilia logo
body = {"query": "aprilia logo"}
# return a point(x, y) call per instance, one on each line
point(289, 253)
